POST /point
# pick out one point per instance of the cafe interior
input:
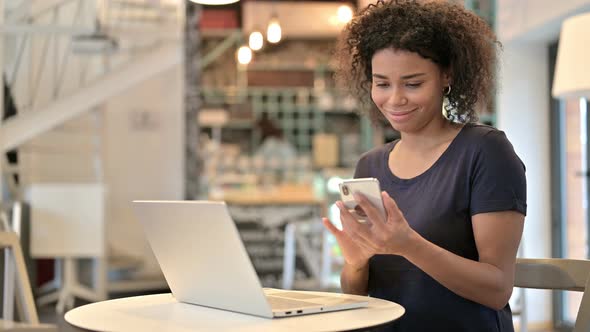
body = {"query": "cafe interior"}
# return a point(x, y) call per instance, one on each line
point(110, 101)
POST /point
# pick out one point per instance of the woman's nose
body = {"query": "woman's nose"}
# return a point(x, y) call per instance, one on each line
point(397, 98)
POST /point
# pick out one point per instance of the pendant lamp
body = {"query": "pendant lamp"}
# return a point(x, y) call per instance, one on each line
point(214, 2)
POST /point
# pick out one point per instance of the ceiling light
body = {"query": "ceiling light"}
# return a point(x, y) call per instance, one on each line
point(96, 43)
point(256, 40)
point(244, 55)
point(273, 31)
point(344, 14)
point(214, 2)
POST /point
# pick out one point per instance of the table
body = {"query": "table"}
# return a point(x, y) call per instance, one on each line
point(162, 312)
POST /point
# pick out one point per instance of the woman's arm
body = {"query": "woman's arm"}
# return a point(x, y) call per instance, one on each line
point(488, 281)
point(354, 280)
point(355, 273)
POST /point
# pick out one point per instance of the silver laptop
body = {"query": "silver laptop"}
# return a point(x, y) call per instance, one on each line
point(204, 262)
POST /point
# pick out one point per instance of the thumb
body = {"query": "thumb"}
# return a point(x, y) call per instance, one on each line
point(393, 212)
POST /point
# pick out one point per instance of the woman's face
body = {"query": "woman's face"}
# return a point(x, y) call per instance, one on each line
point(407, 89)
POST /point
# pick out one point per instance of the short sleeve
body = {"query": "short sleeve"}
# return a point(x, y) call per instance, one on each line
point(361, 169)
point(371, 163)
point(498, 181)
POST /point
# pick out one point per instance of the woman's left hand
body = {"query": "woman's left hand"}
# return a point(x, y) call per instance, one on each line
point(392, 235)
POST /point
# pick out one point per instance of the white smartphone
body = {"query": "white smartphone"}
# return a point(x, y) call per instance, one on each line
point(370, 188)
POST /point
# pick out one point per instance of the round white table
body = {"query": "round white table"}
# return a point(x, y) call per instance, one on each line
point(162, 312)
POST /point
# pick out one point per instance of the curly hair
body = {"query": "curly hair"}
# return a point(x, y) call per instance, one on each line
point(452, 37)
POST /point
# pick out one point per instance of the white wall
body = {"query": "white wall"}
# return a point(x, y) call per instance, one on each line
point(526, 28)
point(523, 113)
point(535, 20)
point(144, 156)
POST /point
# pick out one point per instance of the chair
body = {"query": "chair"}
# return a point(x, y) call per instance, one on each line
point(9, 241)
point(558, 274)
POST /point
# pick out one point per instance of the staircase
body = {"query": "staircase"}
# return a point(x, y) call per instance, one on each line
point(54, 76)
point(65, 59)
point(27, 125)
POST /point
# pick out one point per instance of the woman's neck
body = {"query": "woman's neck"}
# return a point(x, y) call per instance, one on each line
point(430, 136)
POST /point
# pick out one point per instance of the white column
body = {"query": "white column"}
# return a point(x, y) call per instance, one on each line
point(523, 113)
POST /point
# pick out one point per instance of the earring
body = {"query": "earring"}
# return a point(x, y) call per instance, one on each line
point(447, 90)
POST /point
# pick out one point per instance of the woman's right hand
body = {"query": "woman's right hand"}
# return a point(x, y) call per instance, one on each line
point(354, 254)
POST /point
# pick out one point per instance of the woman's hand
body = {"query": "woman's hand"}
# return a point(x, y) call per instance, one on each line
point(392, 235)
point(354, 254)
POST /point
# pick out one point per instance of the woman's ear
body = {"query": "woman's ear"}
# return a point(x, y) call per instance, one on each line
point(446, 76)
point(447, 79)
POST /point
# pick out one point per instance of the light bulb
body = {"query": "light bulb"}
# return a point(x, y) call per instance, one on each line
point(244, 55)
point(273, 32)
point(344, 14)
point(256, 40)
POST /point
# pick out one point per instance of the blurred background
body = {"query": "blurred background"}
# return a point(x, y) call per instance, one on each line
point(105, 102)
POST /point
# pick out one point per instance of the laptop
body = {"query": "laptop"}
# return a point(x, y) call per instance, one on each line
point(204, 261)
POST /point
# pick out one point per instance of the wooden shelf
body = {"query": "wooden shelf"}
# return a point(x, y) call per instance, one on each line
point(281, 195)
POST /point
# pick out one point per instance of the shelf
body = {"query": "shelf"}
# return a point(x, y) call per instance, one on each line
point(283, 195)
point(240, 124)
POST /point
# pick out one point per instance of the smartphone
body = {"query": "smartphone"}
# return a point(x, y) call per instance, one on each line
point(370, 188)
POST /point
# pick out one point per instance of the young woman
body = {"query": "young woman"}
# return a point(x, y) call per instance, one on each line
point(454, 190)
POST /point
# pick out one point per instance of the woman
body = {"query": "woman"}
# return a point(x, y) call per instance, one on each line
point(454, 190)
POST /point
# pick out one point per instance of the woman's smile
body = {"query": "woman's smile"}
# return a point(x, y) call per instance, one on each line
point(401, 116)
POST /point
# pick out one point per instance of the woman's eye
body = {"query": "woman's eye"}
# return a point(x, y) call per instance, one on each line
point(382, 85)
point(413, 85)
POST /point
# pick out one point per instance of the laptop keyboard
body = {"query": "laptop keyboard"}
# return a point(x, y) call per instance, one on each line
point(281, 303)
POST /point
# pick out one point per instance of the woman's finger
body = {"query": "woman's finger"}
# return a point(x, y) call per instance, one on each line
point(393, 212)
point(349, 221)
point(371, 211)
point(350, 224)
point(331, 228)
point(341, 236)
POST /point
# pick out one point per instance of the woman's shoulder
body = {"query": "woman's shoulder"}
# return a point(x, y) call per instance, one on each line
point(489, 143)
point(480, 136)
point(481, 131)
